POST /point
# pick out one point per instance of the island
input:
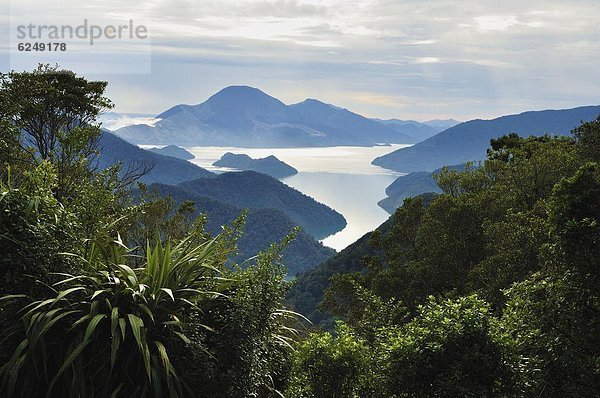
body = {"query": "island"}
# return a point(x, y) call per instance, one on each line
point(174, 151)
point(269, 165)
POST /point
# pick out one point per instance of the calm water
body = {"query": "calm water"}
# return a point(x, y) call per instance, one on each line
point(340, 177)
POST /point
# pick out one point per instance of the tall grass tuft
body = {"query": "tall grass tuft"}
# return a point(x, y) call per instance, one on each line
point(108, 331)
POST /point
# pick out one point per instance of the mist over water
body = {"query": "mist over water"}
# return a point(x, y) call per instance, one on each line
point(340, 177)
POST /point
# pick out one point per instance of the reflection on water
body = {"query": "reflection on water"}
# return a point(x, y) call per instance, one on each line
point(340, 177)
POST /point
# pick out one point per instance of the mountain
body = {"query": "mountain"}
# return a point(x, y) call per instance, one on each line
point(245, 116)
point(269, 165)
point(411, 185)
point(173, 151)
point(345, 127)
point(164, 169)
point(441, 124)
point(469, 141)
point(416, 130)
point(248, 189)
point(263, 227)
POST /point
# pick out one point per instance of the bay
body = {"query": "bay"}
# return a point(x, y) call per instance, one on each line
point(341, 177)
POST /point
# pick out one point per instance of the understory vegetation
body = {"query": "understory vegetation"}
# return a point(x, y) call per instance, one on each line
point(489, 289)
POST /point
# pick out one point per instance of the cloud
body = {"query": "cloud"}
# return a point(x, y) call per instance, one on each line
point(388, 58)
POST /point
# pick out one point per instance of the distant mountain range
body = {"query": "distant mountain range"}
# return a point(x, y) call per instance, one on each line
point(417, 130)
point(270, 165)
point(245, 116)
point(441, 124)
point(469, 140)
point(173, 151)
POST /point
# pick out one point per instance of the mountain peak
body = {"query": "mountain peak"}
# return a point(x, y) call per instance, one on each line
point(237, 90)
point(240, 93)
point(233, 99)
point(312, 102)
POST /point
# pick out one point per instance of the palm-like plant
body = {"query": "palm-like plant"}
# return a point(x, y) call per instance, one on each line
point(110, 329)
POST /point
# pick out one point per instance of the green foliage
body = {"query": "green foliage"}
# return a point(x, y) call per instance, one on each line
point(521, 231)
point(54, 111)
point(453, 348)
point(110, 329)
point(328, 366)
point(554, 316)
point(575, 215)
point(587, 136)
point(250, 346)
point(362, 309)
point(10, 153)
point(34, 229)
point(555, 322)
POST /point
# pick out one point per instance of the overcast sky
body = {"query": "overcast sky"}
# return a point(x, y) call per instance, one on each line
point(408, 59)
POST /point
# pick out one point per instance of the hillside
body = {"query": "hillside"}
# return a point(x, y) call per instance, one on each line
point(270, 165)
point(308, 290)
point(263, 227)
point(411, 185)
point(173, 151)
point(163, 169)
point(415, 130)
point(245, 116)
point(441, 124)
point(249, 189)
point(469, 141)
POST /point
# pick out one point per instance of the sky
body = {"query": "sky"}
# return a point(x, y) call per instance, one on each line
point(406, 59)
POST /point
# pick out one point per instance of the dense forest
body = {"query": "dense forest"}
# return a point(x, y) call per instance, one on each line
point(488, 289)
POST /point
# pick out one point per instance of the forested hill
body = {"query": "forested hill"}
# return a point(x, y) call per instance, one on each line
point(468, 141)
point(249, 189)
point(160, 168)
point(408, 186)
point(263, 227)
point(307, 292)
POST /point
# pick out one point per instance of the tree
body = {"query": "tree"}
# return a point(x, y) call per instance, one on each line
point(453, 348)
point(328, 366)
point(55, 112)
point(575, 216)
point(587, 136)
